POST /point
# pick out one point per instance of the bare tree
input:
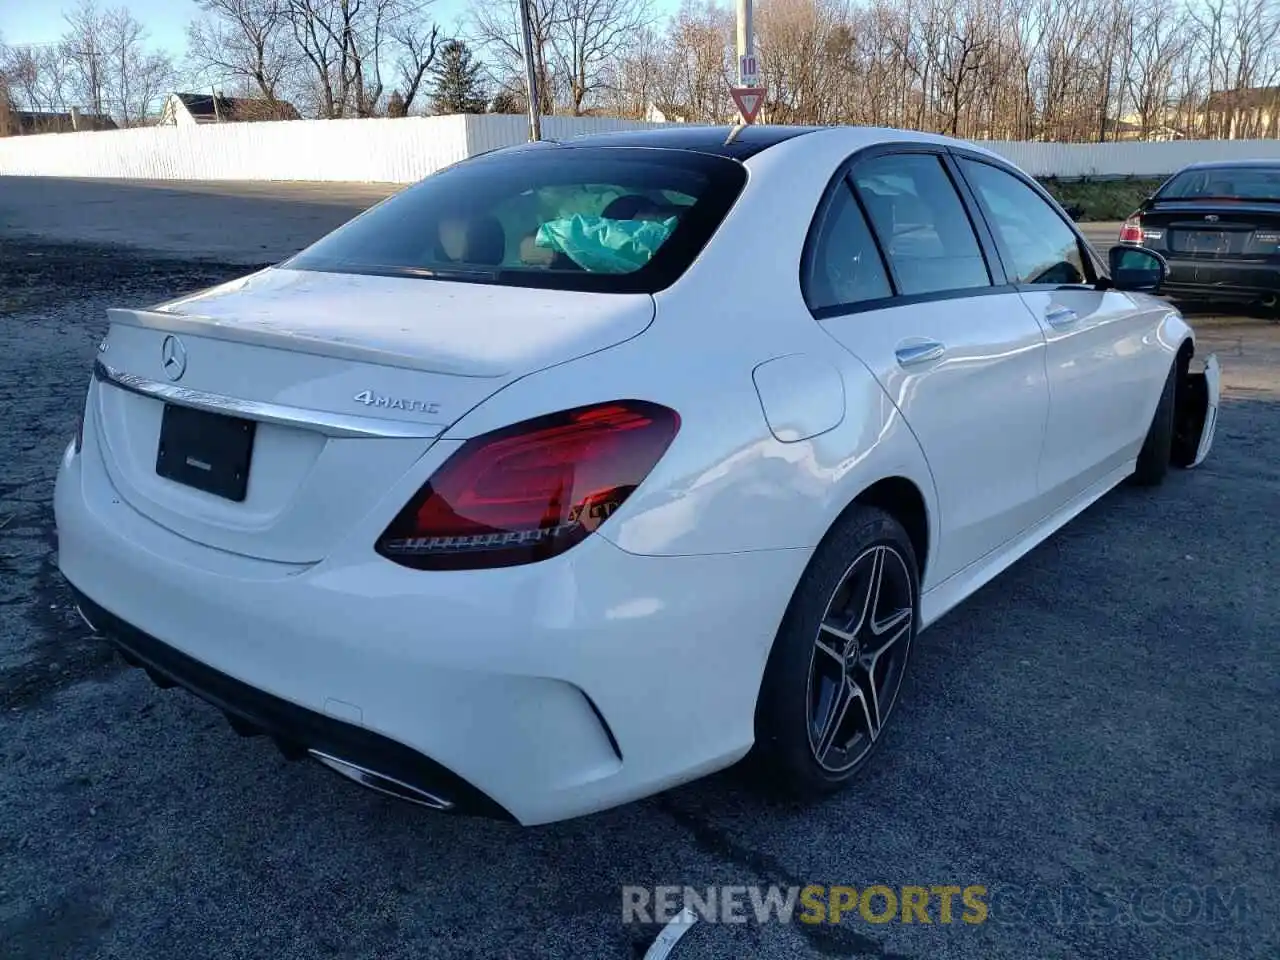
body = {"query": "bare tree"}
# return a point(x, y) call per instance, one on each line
point(102, 63)
point(495, 28)
point(6, 101)
point(87, 55)
point(312, 23)
point(244, 40)
point(799, 47)
point(587, 37)
point(23, 72)
point(1160, 41)
point(1073, 70)
point(632, 80)
point(344, 44)
point(418, 42)
point(700, 67)
point(35, 77)
point(134, 78)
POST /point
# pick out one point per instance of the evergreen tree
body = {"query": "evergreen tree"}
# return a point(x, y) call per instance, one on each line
point(458, 87)
point(395, 105)
point(506, 101)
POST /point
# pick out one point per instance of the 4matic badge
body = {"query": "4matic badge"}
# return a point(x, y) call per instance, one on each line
point(371, 399)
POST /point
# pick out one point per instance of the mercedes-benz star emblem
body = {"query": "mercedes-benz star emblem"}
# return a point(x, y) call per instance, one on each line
point(173, 357)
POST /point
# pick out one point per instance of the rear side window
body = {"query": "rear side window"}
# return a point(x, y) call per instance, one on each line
point(1226, 183)
point(573, 218)
point(921, 223)
point(844, 265)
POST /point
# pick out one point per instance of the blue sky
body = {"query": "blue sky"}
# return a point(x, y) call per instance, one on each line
point(166, 20)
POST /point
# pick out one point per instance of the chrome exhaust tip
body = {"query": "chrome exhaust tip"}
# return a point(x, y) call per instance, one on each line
point(380, 783)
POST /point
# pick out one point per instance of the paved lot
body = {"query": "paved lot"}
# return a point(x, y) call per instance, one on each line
point(234, 222)
point(1097, 724)
point(272, 220)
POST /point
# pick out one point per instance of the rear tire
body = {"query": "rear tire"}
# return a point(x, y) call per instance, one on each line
point(1157, 450)
point(840, 656)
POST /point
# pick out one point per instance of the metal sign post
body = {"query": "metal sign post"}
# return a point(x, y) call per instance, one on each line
point(748, 95)
point(746, 43)
point(531, 72)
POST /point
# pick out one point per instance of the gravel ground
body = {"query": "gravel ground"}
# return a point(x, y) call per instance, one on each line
point(1097, 724)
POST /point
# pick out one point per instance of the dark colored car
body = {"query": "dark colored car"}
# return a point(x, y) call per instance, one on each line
point(1218, 226)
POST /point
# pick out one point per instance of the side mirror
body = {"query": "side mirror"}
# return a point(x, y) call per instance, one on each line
point(1136, 269)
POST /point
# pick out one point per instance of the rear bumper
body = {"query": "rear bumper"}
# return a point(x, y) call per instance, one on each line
point(540, 692)
point(1219, 279)
point(385, 764)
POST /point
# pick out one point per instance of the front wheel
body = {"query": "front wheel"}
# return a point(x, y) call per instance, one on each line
point(840, 657)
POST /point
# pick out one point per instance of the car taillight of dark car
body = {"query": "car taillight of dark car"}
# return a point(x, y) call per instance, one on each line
point(1131, 231)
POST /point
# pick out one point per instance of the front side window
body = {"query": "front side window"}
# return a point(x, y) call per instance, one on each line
point(921, 224)
point(1042, 248)
point(607, 220)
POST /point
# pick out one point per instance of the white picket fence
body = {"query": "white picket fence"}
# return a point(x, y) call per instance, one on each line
point(405, 150)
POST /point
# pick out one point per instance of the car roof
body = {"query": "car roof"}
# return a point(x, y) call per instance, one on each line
point(721, 141)
point(740, 143)
point(1232, 164)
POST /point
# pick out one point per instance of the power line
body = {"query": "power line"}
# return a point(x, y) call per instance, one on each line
point(36, 45)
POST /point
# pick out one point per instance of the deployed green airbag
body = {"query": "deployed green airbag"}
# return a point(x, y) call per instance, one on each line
point(605, 245)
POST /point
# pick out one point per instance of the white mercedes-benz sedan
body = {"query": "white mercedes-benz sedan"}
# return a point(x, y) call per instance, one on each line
point(580, 470)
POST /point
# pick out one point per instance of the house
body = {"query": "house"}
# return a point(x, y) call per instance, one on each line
point(1245, 114)
point(39, 121)
point(189, 109)
point(665, 113)
point(1130, 127)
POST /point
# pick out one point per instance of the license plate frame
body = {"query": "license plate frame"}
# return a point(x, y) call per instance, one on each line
point(210, 452)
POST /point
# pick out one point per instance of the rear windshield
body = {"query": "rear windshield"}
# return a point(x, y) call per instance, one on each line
point(1224, 183)
point(622, 220)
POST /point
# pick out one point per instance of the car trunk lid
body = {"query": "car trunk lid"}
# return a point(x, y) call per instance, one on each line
point(302, 397)
point(1213, 230)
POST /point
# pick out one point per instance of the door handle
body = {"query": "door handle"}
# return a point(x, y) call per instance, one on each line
point(1060, 316)
point(921, 351)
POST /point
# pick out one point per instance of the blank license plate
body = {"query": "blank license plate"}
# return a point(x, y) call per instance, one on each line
point(1207, 241)
point(206, 451)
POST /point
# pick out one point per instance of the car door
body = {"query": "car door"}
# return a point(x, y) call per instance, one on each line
point(1098, 365)
point(895, 271)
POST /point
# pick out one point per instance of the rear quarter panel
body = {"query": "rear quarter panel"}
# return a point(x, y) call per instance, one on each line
point(728, 484)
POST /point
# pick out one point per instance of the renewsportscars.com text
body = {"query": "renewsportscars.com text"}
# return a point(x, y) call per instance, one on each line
point(940, 904)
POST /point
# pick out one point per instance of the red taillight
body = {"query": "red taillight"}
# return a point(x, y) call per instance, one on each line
point(1131, 231)
point(530, 491)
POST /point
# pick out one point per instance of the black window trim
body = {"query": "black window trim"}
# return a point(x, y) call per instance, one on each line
point(1088, 256)
point(843, 177)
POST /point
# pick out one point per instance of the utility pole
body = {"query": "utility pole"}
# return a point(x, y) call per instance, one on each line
point(531, 72)
point(748, 94)
point(91, 54)
point(746, 43)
